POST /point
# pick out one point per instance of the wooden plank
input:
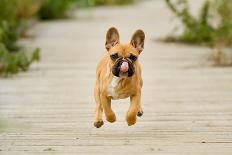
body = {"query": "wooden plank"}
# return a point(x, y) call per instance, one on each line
point(50, 109)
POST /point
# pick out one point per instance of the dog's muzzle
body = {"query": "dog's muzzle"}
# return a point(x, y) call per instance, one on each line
point(123, 68)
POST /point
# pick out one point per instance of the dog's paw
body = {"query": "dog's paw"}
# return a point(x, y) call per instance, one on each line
point(111, 118)
point(98, 124)
point(140, 113)
point(131, 120)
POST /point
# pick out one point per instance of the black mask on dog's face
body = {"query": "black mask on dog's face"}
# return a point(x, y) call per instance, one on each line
point(119, 61)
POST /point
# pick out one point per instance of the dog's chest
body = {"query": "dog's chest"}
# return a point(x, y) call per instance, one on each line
point(112, 89)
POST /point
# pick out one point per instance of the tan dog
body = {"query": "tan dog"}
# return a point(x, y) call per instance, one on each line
point(119, 76)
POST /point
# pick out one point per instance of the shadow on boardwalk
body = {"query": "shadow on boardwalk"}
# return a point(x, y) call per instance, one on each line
point(187, 103)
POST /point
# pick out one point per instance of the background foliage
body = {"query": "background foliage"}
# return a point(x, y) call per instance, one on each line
point(91, 3)
point(14, 14)
point(53, 9)
point(111, 2)
point(212, 27)
point(14, 20)
point(201, 29)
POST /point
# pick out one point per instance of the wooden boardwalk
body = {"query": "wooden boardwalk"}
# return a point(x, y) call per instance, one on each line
point(50, 109)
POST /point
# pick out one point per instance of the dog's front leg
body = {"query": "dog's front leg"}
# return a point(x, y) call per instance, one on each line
point(98, 110)
point(133, 109)
point(106, 103)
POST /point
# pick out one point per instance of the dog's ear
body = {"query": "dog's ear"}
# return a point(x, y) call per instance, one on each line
point(112, 38)
point(137, 40)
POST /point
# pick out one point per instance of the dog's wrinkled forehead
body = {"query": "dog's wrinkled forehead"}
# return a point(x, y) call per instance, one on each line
point(124, 50)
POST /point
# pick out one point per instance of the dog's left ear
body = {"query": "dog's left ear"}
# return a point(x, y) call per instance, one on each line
point(137, 40)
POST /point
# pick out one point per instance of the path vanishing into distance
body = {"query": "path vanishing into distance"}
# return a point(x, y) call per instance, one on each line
point(187, 102)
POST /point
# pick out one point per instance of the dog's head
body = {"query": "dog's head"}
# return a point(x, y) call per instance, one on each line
point(123, 57)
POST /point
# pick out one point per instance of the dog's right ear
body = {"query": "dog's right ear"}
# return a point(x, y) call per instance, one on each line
point(112, 38)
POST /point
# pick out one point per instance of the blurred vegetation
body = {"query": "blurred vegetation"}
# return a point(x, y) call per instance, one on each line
point(91, 3)
point(15, 18)
point(53, 9)
point(212, 27)
point(14, 14)
point(200, 30)
point(11, 63)
point(111, 2)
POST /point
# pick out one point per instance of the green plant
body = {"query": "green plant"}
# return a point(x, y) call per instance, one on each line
point(112, 2)
point(9, 36)
point(196, 30)
point(27, 9)
point(13, 58)
point(12, 63)
point(86, 3)
point(8, 11)
point(201, 29)
point(53, 9)
point(223, 35)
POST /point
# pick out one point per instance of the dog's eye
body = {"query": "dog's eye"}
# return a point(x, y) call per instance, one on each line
point(133, 57)
point(114, 56)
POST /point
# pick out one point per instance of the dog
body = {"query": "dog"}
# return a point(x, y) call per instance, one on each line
point(118, 76)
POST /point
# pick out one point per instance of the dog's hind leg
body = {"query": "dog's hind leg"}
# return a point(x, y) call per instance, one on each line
point(98, 111)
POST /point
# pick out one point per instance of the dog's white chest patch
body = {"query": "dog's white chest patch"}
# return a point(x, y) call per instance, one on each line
point(112, 86)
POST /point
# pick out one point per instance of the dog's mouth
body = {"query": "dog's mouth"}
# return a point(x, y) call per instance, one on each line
point(122, 74)
point(123, 68)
